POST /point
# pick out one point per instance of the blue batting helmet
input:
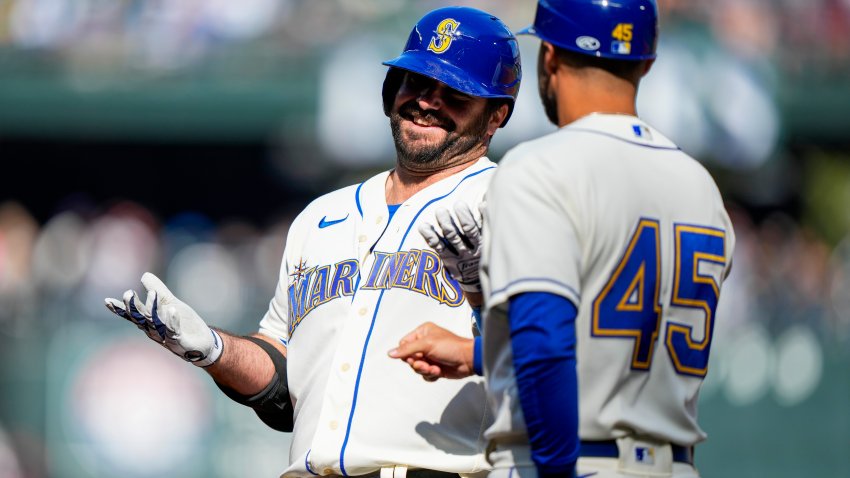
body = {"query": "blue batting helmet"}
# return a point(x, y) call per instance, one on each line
point(469, 50)
point(617, 29)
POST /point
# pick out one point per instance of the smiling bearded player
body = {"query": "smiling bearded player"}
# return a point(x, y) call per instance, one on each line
point(356, 275)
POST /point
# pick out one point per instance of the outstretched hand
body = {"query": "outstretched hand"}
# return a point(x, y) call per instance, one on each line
point(434, 352)
point(168, 321)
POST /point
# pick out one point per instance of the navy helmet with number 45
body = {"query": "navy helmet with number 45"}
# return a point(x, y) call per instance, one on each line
point(469, 50)
point(616, 29)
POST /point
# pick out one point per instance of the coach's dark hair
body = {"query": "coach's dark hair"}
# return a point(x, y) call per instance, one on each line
point(629, 70)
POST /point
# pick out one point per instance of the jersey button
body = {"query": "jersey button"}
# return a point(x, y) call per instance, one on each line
point(327, 471)
point(362, 238)
point(333, 424)
point(345, 367)
point(379, 219)
point(362, 311)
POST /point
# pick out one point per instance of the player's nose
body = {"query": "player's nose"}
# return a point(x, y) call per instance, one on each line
point(431, 96)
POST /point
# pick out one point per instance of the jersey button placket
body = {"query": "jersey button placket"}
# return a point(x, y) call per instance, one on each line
point(399, 222)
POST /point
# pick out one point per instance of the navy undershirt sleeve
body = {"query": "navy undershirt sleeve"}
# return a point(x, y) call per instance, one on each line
point(543, 339)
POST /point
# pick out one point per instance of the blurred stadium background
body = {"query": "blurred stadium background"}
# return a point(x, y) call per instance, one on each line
point(181, 137)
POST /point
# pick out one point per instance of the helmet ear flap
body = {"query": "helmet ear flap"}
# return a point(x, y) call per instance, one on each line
point(392, 83)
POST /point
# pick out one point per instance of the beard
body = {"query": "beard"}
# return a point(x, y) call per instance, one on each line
point(434, 156)
point(547, 96)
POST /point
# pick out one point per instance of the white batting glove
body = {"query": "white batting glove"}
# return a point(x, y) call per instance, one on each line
point(169, 322)
point(458, 242)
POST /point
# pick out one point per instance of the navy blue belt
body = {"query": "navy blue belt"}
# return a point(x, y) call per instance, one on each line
point(609, 449)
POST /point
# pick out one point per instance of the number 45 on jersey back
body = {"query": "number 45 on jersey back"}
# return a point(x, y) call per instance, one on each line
point(629, 306)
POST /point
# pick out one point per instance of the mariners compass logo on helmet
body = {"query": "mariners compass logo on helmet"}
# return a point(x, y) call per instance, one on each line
point(445, 33)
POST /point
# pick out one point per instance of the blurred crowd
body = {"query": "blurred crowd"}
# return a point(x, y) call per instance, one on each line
point(163, 34)
point(797, 34)
point(77, 384)
point(783, 274)
point(227, 271)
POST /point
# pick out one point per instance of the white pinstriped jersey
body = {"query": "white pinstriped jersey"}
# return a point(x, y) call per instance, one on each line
point(350, 286)
point(611, 215)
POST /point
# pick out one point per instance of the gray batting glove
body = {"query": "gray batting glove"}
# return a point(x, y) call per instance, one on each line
point(168, 321)
point(458, 242)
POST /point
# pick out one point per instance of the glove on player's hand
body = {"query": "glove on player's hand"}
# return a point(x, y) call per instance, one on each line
point(458, 243)
point(169, 322)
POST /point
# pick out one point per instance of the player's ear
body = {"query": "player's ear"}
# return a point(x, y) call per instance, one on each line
point(547, 60)
point(647, 65)
point(497, 117)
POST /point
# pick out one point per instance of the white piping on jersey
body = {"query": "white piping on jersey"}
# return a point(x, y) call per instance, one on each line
point(377, 308)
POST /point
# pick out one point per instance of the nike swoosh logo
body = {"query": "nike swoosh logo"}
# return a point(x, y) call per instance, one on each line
point(325, 223)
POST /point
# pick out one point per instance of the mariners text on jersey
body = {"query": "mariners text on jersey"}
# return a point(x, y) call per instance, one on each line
point(417, 270)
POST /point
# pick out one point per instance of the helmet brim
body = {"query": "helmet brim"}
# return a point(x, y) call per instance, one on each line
point(529, 30)
point(427, 64)
point(532, 31)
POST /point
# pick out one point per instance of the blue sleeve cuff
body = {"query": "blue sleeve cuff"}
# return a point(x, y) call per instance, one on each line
point(477, 365)
point(476, 314)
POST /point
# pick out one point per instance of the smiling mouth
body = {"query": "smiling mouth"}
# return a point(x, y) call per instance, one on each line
point(426, 122)
point(424, 119)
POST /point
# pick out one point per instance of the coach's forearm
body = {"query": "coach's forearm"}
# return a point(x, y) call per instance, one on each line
point(243, 366)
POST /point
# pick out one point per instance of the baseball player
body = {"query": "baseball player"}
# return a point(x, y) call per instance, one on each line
point(604, 250)
point(355, 275)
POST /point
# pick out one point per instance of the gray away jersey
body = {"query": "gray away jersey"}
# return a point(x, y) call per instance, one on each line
point(611, 215)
